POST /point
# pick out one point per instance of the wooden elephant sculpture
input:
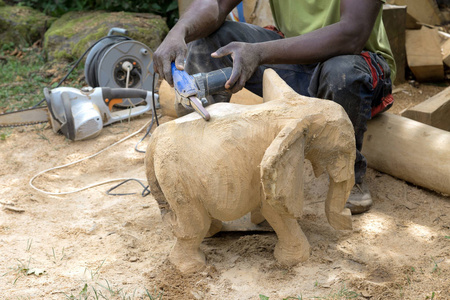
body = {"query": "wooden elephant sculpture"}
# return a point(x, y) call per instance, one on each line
point(250, 157)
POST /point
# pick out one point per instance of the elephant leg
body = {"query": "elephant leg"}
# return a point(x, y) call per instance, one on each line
point(216, 226)
point(256, 217)
point(292, 246)
point(190, 224)
point(338, 216)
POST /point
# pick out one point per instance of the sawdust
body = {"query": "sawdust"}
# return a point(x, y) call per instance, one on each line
point(118, 245)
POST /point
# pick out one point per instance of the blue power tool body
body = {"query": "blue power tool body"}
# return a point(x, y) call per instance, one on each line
point(191, 90)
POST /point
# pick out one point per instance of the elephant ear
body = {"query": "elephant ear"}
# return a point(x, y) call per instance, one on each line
point(282, 169)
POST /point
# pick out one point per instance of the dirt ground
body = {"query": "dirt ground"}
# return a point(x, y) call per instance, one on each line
point(92, 245)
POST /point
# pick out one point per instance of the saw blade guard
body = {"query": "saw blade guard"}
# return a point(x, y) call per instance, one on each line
point(73, 114)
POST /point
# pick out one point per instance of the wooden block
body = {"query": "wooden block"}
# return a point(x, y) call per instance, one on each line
point(446, 52)
point(258, 12)
point(425, 11)
point(434, 111)
point(423, 53)
point(246, 97)
point(394, 19)
point(412, 23)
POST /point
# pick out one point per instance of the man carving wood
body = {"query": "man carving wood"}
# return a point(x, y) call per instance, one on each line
point(332, 49)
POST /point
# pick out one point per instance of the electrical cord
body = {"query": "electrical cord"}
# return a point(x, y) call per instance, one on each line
point(83, 159)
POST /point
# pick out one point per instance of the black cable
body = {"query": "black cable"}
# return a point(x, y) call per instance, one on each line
point(145, 193)
point(146, 134)
point(146, 190)
point(154, 117)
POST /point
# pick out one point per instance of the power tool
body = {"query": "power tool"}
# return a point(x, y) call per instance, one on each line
point(191, 91)
point(81, 114)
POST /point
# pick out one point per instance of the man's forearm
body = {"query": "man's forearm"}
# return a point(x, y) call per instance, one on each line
point(202, 18)
point(308, 48)
point(348, 36)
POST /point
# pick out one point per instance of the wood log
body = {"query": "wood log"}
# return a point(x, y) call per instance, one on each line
point(423, 53)
point(434, 112)
point(409, 150)
point(167, 99)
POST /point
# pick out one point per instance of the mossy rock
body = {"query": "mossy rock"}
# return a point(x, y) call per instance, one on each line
point(72, 34)
point(21, 25)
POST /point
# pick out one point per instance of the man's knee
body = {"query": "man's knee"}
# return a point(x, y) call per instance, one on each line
point(343, 72)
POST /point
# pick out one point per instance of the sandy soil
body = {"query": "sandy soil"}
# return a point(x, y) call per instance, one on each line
point(79, 245)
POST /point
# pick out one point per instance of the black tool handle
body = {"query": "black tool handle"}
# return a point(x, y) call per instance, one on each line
point(113, 93)
point(215, 80)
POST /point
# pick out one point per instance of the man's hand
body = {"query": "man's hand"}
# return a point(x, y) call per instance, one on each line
point(246, 58)
point(173, 48)
point(202, 18)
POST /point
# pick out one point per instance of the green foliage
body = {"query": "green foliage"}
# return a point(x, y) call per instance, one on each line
point(164, 8)
point(263, 297)
point(23, 79)
point(107, 292)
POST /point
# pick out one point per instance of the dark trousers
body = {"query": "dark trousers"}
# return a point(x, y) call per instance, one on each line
point(347, 80)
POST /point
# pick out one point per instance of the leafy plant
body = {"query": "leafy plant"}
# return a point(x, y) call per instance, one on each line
point(23, 79)
point(343, 293)
point(164, 8)
point(432, 296)
point(107, 292)
point(5, 133)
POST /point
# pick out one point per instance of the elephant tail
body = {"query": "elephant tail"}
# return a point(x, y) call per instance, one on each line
point(152, 180)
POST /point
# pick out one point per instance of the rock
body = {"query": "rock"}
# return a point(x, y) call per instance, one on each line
point(21, 25)
point(72, 34)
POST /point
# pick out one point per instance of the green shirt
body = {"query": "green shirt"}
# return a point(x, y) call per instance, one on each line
point(296, 17)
